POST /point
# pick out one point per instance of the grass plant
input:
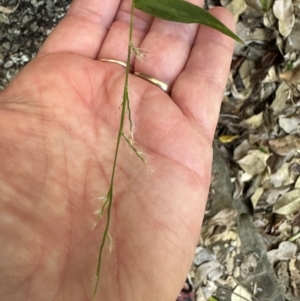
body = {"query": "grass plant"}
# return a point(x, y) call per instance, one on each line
point(172, 10)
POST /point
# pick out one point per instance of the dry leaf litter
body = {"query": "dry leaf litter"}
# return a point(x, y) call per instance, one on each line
point(258, 134)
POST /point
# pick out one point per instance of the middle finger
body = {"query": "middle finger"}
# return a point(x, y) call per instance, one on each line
point(115, 45)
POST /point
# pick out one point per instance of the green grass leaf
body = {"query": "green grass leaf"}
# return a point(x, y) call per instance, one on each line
point(266, 4)
point(183, 12)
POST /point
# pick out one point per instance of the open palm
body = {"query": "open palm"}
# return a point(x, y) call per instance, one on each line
point(59, 120)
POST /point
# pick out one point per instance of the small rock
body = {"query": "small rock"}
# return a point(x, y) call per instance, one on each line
point(26, 19)
point(24, 58)
point(11, 74)
point(15, 47)
point(8, 64)
point(6, 45)
point(4, 18)
point(36, 3)
point(28, 44)
point(14, 31)
point(34, 27)
point(10, 37)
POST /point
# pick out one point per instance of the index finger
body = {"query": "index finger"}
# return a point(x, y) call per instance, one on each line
point(83, 29)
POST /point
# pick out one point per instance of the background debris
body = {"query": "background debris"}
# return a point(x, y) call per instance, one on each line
point(284, 12)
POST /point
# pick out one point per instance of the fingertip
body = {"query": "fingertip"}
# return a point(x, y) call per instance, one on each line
point(83, 28)
point(226, 17)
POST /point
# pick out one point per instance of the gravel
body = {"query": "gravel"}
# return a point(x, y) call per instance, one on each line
point(23, 32)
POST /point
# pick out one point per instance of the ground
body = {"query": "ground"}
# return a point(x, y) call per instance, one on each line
point(250, 241)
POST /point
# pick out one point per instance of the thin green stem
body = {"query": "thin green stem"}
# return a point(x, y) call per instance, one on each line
point(125, 106)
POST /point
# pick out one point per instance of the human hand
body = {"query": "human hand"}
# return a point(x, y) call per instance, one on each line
point(59, 120)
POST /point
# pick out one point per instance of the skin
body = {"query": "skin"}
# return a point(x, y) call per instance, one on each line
point(59, 119)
